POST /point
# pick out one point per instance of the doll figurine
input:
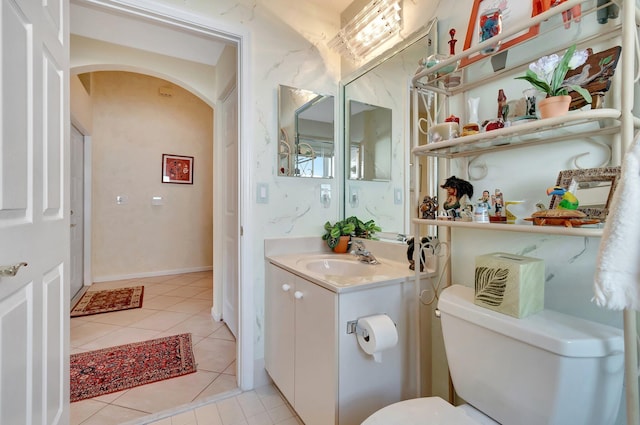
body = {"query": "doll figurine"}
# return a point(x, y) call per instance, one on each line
point(456, 188)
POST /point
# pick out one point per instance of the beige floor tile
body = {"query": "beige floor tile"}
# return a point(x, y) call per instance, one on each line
point(269, 396)
point(170, 393)
point(223, 333)
point(119, 337)
point(161, 320)
point(208, 415)
point(199, 325)
point(114, 415)
point(159, 289)
point(231, 369)
point(206, 295)
point(260, 419)
point(121, 318)
point(250, 403)
point(90, 331)
point(161, 302)
point(205, 282)
point(214, 355)
point(280, 413)
point(111, 397)
point(186, 291)
point(230, 411)
point(222, 384)
point(82, 410)
point(290, 421)
point(191, 305)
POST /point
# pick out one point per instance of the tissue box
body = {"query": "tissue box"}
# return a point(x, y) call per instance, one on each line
point(510, 284)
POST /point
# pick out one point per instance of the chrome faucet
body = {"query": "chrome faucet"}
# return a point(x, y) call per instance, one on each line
point(362, 253)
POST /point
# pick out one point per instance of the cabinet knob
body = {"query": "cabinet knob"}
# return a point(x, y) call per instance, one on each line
point(286, 287)
point(297, 295)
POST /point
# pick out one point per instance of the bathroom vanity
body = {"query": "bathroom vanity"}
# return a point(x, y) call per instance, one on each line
point(309, 353)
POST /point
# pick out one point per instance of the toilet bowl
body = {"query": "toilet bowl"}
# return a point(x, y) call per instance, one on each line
point(428, 411)
point(549, 368)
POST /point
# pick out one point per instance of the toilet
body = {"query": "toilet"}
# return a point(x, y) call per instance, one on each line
point(548, 368)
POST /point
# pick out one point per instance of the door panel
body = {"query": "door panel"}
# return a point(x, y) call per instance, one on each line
point(34, 224)
point(231, 233)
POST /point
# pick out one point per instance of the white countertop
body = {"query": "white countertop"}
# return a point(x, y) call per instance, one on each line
point(309, 265)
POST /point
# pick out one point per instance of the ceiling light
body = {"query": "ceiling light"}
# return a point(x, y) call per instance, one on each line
point(372, 26)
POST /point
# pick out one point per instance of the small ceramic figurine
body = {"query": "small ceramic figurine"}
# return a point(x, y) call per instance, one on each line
point(429, 208)
point(485, 200)
point(456, 189)
point(498, 202)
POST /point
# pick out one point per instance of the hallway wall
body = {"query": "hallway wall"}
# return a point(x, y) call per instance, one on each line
point(133, 125)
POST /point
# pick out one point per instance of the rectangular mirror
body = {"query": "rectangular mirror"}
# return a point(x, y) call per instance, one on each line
point(377, 186)
point(593, 187)
point(306, 133)
point(369, 130)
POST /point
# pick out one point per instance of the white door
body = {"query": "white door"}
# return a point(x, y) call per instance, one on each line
point(231, 229)
point(34, 223)
point(76, 191)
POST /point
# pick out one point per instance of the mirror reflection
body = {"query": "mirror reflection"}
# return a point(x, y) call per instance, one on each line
point(385, 195)
point(306, 133)
point(369, 129)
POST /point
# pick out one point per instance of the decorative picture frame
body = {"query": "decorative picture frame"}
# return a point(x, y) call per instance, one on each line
point(177, 169)
point(593, 187)
point(512, 11)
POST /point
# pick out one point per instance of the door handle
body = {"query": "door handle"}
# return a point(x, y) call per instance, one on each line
point(11, 270)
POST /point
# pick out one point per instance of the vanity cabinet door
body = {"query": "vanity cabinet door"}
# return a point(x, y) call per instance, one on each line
point(316, 379)
point(279, 329)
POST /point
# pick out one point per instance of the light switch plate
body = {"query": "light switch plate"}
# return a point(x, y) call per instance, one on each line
point(262, 193)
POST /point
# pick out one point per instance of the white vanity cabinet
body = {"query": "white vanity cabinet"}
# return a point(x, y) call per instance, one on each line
point(300, 344)
point(317, 364)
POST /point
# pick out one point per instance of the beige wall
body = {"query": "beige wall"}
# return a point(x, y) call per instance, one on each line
point(132, 127)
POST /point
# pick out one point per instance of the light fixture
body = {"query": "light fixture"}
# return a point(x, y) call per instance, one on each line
point(373, 25)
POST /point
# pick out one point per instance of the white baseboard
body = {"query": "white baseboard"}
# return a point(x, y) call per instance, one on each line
point(151, 274)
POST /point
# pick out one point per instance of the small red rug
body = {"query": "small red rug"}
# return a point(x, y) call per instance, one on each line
point(126, 366)
point(94, 302)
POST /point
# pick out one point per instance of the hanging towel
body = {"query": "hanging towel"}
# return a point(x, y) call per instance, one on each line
point(617, 276)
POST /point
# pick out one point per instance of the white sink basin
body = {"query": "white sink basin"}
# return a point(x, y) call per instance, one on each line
point(339, 267)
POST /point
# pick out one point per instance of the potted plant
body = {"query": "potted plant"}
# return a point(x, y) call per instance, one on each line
point(548, 75)
point(363, 229)
point(338, 235)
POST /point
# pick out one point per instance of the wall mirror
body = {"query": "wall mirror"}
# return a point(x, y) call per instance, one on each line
point(593, 187)
point(306, 131)
point(383, 85)
point(369, 131)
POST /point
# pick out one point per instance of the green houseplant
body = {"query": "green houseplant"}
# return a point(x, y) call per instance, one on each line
point(548, 75)
point(363, 229)
point(333, 232)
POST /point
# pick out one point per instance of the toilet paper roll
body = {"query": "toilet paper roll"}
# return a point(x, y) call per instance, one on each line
point(381, 335)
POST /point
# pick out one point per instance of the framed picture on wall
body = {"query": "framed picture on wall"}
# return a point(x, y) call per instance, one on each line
point(177, 169)
point(490, 17)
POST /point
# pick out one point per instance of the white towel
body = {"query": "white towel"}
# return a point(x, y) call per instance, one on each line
point(617, 277)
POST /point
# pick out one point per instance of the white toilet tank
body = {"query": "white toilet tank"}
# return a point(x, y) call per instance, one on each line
point(548, 368)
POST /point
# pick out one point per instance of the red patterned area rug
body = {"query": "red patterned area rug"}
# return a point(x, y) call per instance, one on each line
point(126, 366)
point(94, 302)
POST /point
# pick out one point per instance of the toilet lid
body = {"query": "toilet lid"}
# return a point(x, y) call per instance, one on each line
point(420, 411)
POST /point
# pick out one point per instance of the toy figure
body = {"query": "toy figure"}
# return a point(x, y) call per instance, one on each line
point(485, 200)
point(428, 208)
point(568, 201)
point(497, 202)
point(456, 189)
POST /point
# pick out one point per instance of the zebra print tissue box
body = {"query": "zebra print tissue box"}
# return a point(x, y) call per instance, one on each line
point(510, 284)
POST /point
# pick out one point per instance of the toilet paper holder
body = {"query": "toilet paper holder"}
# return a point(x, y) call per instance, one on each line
point(353, 328)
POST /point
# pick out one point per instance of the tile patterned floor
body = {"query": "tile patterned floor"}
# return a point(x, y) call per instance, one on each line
point(172, 305)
